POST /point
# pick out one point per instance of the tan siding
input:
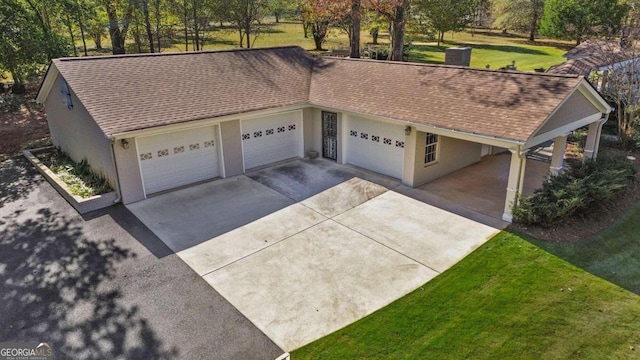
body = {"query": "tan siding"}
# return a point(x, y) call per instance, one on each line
point(308, 127)
point(575, 108)
point(232, 148)
point(131, 188)
point(75, 132)
point(453, 155)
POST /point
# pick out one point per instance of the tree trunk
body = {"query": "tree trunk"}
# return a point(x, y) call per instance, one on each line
point(305, 28)
point(147, 23)
point(247, 25)
point(397, 35)
point(277, 16)
point(73, 39)
point(534, 25)
point(136, 38)
point(81, 25)
point(186, 26)
point(319, 32)
point(355, 29)
point(196, 32)
point(440, 37)
point(117, 37)
point(97, 38)
point(158, 23)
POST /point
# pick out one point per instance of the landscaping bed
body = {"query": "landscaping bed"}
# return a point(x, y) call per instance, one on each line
point(592, 223)
point(82, 188)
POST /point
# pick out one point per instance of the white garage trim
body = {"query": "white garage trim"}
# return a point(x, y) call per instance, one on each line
point(169, 160)
point(273, 138)
point(374, 145)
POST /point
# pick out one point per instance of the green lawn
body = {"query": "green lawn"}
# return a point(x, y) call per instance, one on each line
point(507, 300)
point(489, 47)
point(613, 255)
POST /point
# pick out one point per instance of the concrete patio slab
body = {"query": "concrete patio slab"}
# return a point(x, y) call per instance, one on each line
point(434, 237)
point(343, 197)
point(316, 282)
point(190, 216)
point(246, 240)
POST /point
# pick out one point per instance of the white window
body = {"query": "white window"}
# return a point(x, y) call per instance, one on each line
point(431, 149)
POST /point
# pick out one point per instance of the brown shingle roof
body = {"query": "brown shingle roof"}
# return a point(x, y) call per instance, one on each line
point(575, 66)
point(132, 92)
point(508, 105)
point(127, 93)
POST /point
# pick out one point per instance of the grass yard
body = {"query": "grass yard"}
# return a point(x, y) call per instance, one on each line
point(507, 300)
point(489, 47)
point(613, 255)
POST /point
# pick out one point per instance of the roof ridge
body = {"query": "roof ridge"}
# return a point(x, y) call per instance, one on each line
point(466, 68)
point(143, 55)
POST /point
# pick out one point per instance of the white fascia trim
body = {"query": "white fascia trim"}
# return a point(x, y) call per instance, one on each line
point(205, 122)
point(47, 83)
point(462, 135)
point(563, 130)
point(592, 95)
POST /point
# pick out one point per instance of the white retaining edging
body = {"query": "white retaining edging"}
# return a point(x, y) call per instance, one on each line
point(82, 205)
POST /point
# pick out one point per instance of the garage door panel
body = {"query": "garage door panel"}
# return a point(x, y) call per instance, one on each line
point(179, 158)
point(376, 146)
point(270, 139)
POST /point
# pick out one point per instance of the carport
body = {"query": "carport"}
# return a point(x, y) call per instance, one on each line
point(481, 187)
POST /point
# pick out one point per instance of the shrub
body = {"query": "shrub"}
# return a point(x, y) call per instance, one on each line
point(79, 177)
point(574, 192)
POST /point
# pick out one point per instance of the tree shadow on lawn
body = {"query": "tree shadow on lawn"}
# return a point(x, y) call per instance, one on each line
point(613, 255)
point(53, 287)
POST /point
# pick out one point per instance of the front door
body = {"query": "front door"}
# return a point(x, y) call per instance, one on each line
point(329, 135)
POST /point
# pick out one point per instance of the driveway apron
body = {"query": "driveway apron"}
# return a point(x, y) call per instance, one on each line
point(302, 270)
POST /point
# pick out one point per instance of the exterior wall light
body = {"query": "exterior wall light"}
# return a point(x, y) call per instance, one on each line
point(407, 130)
point(124, 143)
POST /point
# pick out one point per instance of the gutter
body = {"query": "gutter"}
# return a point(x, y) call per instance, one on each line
point(115, 165)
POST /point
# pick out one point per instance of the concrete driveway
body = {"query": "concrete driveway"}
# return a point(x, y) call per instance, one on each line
point(105, 287)
point(321, 246)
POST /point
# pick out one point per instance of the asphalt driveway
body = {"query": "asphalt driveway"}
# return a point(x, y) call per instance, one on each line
point(320, 246)
point(104, 286)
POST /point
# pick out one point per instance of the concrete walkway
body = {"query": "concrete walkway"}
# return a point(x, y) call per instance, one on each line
point(317, 265)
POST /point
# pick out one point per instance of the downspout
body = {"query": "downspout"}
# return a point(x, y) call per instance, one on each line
point(115, 165)
point(604, 119)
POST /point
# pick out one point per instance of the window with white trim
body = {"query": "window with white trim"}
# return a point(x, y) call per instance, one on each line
point(431, 149)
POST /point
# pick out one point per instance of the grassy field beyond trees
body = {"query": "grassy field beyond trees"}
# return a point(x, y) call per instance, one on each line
point(490, 47)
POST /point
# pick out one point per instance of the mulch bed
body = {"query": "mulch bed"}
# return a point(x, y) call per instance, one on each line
point(593, 223)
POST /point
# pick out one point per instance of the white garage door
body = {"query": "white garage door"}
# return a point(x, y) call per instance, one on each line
point(178, 158)
point(376, 146)
point(273, 138)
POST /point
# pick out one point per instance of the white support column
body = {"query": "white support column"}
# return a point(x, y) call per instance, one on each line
point(515, 183)
point(593, 139)
point(557, 159)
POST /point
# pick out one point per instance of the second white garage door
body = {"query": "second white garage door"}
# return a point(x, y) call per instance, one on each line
point(272, 138)
point(178, 158)
point(376, 146)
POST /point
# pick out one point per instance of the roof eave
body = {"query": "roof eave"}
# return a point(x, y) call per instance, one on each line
point(47, 83)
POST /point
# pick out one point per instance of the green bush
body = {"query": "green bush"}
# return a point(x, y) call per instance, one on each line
point(575, 192)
